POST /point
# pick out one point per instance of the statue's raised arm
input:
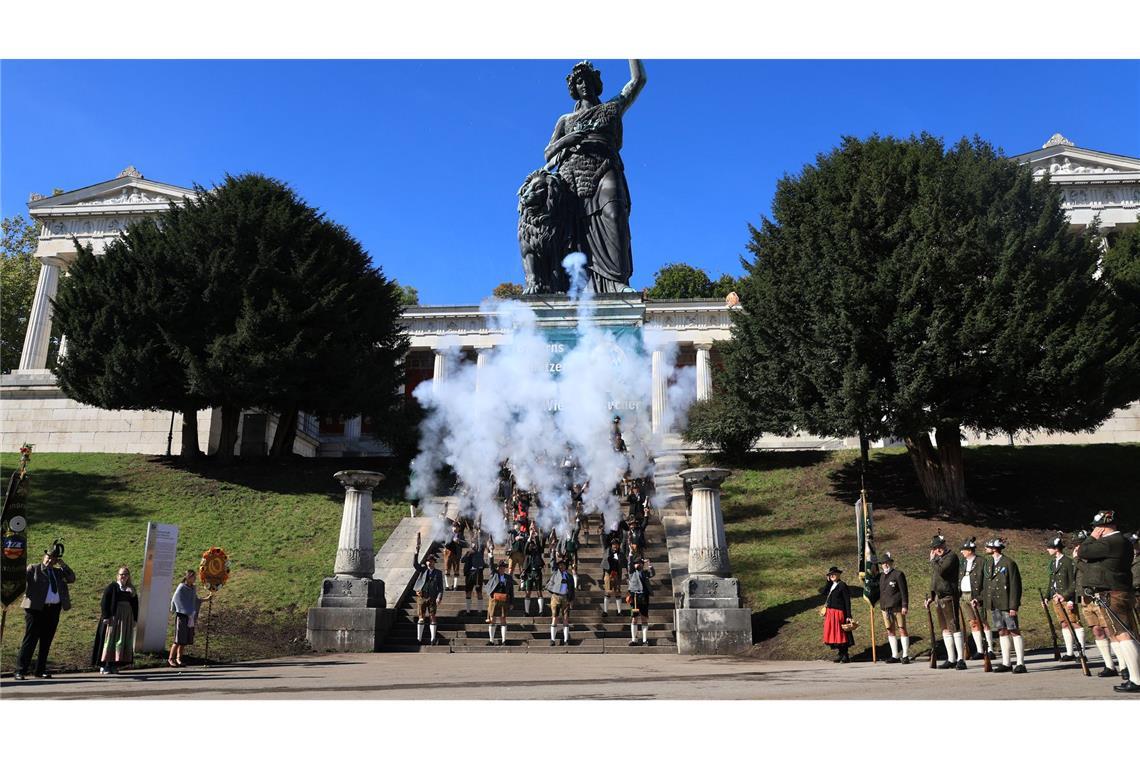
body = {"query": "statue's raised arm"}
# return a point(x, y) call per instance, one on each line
point(635, 84)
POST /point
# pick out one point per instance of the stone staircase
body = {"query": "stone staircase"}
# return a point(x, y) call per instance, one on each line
point(590, 630)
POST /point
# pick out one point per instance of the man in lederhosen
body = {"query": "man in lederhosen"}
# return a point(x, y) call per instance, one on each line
point(970, 586)
point(1134, 538)
point(429, 592)
point(561, 588)
point(532, 573)
point(1108, 580)
point(944, 597)
point(569, 547)
point(474, 563)
point(452, 553)
point(612, 564)
point(1063, 594)
point(1086, 603)
point(894, 599)
point(500, 590)
point(640, 572)
point(1001, 594)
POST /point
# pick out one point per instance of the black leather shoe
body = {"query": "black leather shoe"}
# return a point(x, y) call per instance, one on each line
point(45, 674)
point(961, 665)
point(978, 656)
point(905, 661)
point(1067, 658)
point(19, 676)
point(999, 668)
point(945, 665)
point(891, 660)
point(553, 643)
point(1108, 673)
point(635, 643)
point(1127, 688)
point(845, 659)
point(1019, 669)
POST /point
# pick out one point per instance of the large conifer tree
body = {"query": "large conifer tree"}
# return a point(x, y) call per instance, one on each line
point(902, 289)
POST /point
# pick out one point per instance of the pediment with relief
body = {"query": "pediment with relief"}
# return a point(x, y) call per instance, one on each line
point(129, 192)
point(1059, 157)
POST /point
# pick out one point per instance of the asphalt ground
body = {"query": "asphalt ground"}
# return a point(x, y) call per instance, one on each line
point(513, 676)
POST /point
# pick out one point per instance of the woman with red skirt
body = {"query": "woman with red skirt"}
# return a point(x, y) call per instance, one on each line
point(837, 611)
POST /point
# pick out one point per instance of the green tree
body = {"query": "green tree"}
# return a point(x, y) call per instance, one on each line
point(724, 422)
point(680, 281)
point(19, 272)
point(507, 290)
point(257, 301)
point(1121, 264)
point(409, 296)
point(901, 288)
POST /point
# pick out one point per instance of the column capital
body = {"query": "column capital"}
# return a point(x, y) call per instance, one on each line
point(703, 345)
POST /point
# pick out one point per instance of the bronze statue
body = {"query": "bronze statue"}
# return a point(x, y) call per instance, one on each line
point(590, 212)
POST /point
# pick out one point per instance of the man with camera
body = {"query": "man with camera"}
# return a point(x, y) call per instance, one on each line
point(45, 598)
point(1107, 580)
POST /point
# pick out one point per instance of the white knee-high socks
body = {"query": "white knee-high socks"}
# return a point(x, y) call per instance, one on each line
point(1006, 646)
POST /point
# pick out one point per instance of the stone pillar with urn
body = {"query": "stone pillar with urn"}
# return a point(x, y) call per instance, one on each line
point(350, 615)
point(710, 616)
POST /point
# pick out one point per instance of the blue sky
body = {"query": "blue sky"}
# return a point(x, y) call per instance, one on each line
point(421, 160)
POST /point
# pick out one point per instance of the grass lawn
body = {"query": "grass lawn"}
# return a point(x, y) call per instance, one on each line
point(279, 523)
point(790, 516)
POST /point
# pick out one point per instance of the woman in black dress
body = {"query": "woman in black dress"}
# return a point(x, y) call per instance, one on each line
point(115, 638)
point(837, 612)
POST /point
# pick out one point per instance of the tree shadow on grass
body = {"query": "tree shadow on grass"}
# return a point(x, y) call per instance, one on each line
point(77, 499)
point(769, 460)
point(1022, 487)
point(297, 475)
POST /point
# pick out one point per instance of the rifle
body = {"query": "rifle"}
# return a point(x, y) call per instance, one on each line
point(1080, 649)
point(933, 644)
point(966, 638)
point(1052, 628)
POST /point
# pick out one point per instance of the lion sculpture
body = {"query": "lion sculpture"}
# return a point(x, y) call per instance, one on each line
point(546, 218)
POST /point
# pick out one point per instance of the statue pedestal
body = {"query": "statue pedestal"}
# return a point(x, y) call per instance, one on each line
point(350, 615)
point(710, 619)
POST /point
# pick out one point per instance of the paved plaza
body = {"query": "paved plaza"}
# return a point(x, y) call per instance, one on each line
point(499, 675)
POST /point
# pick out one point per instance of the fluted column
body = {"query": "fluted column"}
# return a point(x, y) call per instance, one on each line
point(354, 552)
point(439, 371)
point(34, 355)
point(708, 546)
point(660, 390)
point(704, 371)
point(352, 427)
point(482, 356)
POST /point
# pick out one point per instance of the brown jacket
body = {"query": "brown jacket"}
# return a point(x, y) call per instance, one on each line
point(38, 586)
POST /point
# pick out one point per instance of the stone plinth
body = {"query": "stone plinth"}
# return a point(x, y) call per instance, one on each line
point(710, 619)
point(350, 615)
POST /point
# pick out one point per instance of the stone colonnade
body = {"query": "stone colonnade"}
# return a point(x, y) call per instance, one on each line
point(36, 339)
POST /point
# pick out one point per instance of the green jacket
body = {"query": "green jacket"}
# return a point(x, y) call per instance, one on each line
point(1062, 578)
point(944, 575)
point(1001, 584)
point(1109, 563)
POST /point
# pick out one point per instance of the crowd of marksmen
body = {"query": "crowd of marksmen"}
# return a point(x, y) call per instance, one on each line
point(1093, 584)
point(624, 574)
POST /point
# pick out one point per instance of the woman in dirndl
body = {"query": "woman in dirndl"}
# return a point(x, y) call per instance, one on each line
point(837, 612)
point(120, 611)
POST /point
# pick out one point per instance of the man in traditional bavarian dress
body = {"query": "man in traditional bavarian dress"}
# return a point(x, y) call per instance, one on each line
point(944, 596)
point(612, 565)
point(429, 592)
point(1108, 581)
point(1134, 538)
point(561, 588)
point(894, 600)
point(474, 563)
point(569, 546)
point(517, 546)
point(637, 539)
point(1001, 594)
point(1063, 594)
point(452, 553)
point(1086, 603)
point(500, 590)
point(532, 574)
point(970, 586)
point(640, 572)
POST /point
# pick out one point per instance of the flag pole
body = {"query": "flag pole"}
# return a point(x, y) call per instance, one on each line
point(870, 604)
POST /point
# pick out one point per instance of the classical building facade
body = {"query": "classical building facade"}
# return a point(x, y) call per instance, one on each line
point(1096, 186)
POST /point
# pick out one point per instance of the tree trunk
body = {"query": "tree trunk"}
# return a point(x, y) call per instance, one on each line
point(864, 451)
point(286, 432)
point(940, 471)
point(190, 450)
point(227, 438)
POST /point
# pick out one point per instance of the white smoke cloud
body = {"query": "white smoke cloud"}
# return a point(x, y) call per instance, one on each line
point(524, 412)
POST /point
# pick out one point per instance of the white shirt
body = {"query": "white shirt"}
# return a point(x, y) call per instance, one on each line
point(966, 588)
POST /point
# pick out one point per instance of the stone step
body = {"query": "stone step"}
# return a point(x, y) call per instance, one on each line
point(535, 647)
